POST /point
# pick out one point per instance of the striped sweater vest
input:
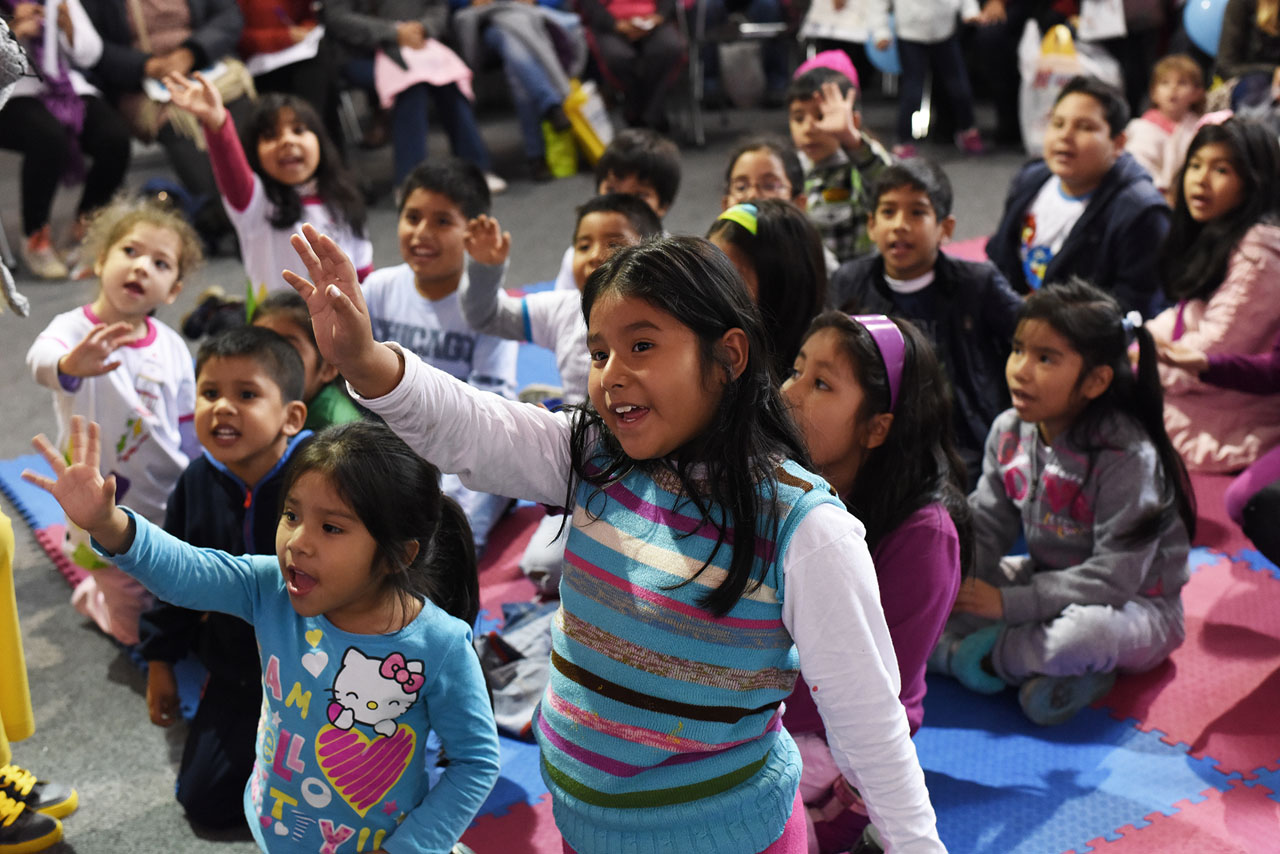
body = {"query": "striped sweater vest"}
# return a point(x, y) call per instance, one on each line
point(660, 726)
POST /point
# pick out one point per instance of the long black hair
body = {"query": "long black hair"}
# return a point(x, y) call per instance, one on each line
point(334, 182)
point(1193, 260)
point(750, 431)
point(917, 464)
point(1094, 325)
point(396, 496)
point(786, 252)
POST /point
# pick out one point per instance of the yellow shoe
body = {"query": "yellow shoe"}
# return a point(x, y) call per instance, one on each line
point(24, 831)
point(52, 799)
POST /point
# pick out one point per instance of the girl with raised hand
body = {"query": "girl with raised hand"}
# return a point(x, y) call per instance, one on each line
point(871, 399)
point(364, 633)
point(283, 170)
point(1082, 465)
point(705, 569)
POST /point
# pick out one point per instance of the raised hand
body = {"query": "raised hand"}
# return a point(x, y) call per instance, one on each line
point(486, 242)
point(1181, 356)
point(88, 499)
point(339, 316)
point(89, 357)
point(198, 97)
point(838, 114)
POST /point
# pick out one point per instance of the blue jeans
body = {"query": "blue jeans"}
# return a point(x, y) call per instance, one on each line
point(948, 72)
point(409, 121)
point(531, 89)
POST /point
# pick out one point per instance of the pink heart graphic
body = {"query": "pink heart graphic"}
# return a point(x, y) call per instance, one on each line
point(265, 820)
point(362, 771)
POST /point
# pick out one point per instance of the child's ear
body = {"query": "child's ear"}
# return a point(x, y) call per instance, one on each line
point(734, 350)
point(327, 372)
point(295, 415)
point(948, 227)
point(1097, 382)
point(800, 200)
point(877, 430)
point(173, 292)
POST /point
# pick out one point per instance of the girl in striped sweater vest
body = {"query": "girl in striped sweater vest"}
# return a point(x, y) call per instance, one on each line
point(673, 650)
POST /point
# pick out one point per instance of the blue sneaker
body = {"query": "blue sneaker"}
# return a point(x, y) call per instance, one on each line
point(967, 656)
point(1052, 700)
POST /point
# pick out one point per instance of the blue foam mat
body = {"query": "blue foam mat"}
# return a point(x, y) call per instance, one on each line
point(37, 507)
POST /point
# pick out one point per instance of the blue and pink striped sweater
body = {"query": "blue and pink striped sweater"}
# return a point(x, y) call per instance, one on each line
point(660, 727)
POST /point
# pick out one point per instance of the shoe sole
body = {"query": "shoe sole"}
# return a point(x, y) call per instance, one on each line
point(62, 808)
point(30, 846)
point(1075, 693)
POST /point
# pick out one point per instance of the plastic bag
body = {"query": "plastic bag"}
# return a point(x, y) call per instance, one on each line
point(562, 152)
point(589, 119)
point(1045, 66)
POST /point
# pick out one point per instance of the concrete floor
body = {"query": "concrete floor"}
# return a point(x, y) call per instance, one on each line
point(93, 729)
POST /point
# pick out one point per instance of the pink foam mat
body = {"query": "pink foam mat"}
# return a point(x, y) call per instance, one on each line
point(522, 828)
point(500, 577)
point(1237, 821)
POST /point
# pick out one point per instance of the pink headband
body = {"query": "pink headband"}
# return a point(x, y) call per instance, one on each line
point(892, 346)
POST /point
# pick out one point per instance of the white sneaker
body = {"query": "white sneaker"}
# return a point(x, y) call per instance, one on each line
point(40, 258)
point(497, 186)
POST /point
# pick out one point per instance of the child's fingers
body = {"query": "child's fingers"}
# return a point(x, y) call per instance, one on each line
point(303, 286)
point(506, 241)
point(302, 244)
point(51, 456)
point(93, 448)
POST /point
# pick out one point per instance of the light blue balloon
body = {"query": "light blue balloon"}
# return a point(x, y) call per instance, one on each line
point(1202, 20)
point(886, 61)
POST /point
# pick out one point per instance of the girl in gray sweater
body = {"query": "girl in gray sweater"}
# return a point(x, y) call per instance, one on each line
point(1083, 466)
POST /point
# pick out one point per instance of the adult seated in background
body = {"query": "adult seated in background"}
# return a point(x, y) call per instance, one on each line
point(408, 33)
point(540, 47)
point(640, 52)
point(143, 40)
point(54, 119)
point(1086, 208)
point(775, 57)
point(1249, 50)
point(1221, 263)
point(284, 53)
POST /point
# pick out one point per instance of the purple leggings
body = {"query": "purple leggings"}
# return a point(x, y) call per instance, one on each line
point(1264, 472)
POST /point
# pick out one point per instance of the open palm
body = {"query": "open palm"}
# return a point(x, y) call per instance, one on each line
point(88, 499)
point(198, 97)
point(339, 315)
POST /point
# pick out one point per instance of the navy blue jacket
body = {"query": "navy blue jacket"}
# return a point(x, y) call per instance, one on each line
point(1114, 245)
point(212, 508)
point(972, 326)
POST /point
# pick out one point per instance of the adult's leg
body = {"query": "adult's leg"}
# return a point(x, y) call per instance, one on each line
point(105, 139)
point(27, 126)
point(1261, 521)
point(531, 90)
point(661, 59)
point(914, 57)
point(949, 70)
point(618, 63)
point(459, 120)
point(409, 129)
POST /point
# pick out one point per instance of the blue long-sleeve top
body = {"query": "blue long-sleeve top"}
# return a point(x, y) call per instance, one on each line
point(341, 741)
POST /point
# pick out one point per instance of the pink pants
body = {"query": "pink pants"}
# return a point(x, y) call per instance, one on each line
point(792, 841)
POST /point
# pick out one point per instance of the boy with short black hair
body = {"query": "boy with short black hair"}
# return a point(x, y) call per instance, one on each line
point(641, 163)
point(1087, 208)
point(249, 416)
point(840, 160)
point(417, 303)
point(966, 309)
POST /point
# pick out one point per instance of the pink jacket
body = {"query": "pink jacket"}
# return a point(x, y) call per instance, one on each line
point(1216, 429)
point(1159, 145)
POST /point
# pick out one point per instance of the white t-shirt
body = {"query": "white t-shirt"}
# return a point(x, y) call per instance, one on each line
point(1045, 226)
point(145, 408)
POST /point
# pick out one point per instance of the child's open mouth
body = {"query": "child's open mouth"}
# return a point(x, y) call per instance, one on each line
point(225, 435)
point(298, 583)
point(629, 413)
point(135, 289)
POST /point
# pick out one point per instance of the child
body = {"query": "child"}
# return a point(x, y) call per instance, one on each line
point(840, 160)
point(640, 163)
point(347, 620)
point(928, 45)
point(551, 319)
point(1087, 209)
point(763, 167)
point(417, 304)
point(1083, 466)
point(965, 309)
point(1219, 266)
point(672, 650)
point(871, 399)
point(778, 253)
point(327, 402)
point(249, 416)
point(285, 171)
point(112, 362)
point(1158, 139)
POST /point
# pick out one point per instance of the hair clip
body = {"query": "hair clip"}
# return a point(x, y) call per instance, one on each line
point(743, 214)
point(892, 346)
point(1131, 321)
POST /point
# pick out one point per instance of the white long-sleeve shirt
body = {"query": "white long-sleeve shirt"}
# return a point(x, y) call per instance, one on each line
point(926, 21)
point(83, 51)
point(831, 605)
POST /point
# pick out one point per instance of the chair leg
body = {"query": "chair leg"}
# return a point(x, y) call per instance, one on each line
point(921, 118)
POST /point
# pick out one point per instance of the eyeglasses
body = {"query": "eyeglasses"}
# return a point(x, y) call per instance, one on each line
point(768, 188)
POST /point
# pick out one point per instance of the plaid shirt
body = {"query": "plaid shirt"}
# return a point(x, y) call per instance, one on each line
point(838, 191)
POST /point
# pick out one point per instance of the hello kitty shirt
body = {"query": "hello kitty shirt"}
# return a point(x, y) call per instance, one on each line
point(1075, 506)
point(341, 761)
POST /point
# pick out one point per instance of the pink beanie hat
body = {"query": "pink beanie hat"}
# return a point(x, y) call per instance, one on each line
point(836, 60)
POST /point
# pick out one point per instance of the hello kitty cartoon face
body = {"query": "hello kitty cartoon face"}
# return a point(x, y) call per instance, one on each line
point(374, 691)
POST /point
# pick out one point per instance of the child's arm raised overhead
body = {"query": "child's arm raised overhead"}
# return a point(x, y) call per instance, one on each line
point(493, 444)
point(176, 572)
point(831, 607)
point(485, 305)
point(231, 169)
